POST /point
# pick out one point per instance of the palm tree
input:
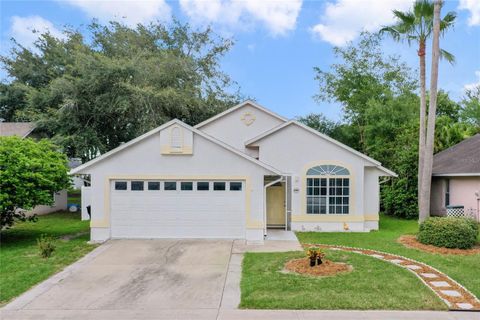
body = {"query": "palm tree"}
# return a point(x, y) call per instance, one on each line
point(424, 209)
point(416, 26)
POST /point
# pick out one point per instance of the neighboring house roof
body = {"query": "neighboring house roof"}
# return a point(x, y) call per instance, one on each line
point(238, 106)
point(321, 135)
point(462, 159)
point(74, 162)
point(21, 129)
point(106, 155)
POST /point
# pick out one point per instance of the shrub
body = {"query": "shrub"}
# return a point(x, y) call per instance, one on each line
point(46, 245)
point(448, 232)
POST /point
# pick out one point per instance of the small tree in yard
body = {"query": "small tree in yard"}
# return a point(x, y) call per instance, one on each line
point(30, 173)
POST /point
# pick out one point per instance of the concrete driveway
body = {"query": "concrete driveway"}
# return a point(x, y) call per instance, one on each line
point(137, 275)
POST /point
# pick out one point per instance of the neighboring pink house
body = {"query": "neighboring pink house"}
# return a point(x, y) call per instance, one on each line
point(456, 179)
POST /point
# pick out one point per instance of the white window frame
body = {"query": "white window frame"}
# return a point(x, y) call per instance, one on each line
point(329, 173)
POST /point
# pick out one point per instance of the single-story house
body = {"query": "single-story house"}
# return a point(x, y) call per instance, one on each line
point(234, 175)
point(456, 179)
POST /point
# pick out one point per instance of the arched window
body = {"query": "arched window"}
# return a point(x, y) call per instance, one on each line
point(328, 190)
point(176, 138)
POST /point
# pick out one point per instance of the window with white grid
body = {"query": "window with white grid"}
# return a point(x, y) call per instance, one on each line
point(329, 194)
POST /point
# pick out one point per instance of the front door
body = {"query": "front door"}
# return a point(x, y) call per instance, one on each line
point(276, 206)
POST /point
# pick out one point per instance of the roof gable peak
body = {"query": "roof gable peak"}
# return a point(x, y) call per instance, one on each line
point(239, 106)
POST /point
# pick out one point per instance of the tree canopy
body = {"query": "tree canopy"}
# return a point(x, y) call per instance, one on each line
point(92, 92)
point(378, 94)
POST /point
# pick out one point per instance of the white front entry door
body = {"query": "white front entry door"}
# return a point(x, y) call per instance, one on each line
point(177, 209)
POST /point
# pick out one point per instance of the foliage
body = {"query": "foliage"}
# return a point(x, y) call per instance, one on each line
point(365, 74)
point(448, 232)
point(416, 25)
point(449, 132)
point(315, 252)
point(30, 173)
point(470, 107)
point(22, 267)
point(380, 103)
point(92, 92)
point(46, 245)
point(320, 123)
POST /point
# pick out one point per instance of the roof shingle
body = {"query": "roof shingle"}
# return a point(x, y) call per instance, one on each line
point(21, 129)
point(462, 158)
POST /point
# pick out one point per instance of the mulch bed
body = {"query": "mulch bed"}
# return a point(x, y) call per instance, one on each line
point(410, 241)
point(327, 268)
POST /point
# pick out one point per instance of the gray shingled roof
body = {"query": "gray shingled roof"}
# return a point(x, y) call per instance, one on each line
point(21, 129)
point(463, 157)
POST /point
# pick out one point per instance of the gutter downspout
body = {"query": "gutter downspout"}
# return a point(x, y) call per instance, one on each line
point(265, 203)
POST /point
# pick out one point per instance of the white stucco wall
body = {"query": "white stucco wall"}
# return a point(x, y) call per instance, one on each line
point(144, 159)
point(294, 150)
point(60, 204)
point(232, 130)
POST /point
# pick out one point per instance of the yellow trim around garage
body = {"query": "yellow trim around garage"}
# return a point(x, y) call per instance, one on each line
point(106, 223)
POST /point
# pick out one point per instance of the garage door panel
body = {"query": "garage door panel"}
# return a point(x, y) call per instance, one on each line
point(178, 214)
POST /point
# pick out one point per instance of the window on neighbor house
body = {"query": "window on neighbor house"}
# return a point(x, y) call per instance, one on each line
point(328, 190)
point(447, 192)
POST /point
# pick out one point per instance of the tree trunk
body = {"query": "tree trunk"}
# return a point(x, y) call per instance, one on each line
point(423, 114)
point(432, 110)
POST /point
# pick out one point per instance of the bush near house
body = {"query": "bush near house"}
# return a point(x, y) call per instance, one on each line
point(30, 173)
point(448, 232)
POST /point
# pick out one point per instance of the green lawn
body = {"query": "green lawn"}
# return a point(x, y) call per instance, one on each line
point(373, 284)
point(21, 266)
point(464, 269)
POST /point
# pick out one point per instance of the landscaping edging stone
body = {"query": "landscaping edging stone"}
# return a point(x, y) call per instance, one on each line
point(445, 287)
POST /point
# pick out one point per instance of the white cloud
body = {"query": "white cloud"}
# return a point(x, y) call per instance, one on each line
point(126, 11)
point(343, 20)
point(26, 30)
point(474, 7)
point(473, 85)
point(279, 16)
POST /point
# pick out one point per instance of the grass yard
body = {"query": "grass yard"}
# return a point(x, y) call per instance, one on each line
point(373, 284)
point(464, 269)
point(21, 266)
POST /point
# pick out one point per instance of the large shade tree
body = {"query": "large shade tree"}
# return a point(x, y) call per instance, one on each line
point(90, 91)
point(416, 26)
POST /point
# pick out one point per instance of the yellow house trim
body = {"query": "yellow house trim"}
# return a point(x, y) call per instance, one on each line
point(99, 223)
point(303, 193)
point(166, 150)
point(105, 222)
point(372, 217)
point(327, 218)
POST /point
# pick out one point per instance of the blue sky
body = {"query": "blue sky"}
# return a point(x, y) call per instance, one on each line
point(277, 43)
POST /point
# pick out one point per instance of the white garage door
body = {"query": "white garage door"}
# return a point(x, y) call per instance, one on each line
point(177, 209)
